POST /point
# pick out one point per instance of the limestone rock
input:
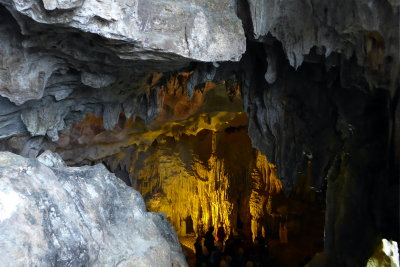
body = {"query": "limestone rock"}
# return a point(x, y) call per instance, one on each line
point(51, 160)
point(54, 53)
point(44, 119)
point(319, 81)
point(96, 80)
point(10, 119)
point(326, 121)
point(148, 30)
point(386, 254)
point(300, 25)
point(23, 76)
point(56, 215)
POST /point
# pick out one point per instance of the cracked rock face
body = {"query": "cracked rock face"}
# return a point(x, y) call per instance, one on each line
point(62, 60)
point(51, 215)
point(300, 25)
point(142, 29)
point(23, 75)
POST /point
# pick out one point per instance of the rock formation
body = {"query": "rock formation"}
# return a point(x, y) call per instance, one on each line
point(210, 177)
point(54, 215)
point(196, 164)
point(329, 101)
point(319, 81)
point(387, 254)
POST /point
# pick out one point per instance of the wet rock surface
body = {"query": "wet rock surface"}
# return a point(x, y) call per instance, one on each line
point(53, 215)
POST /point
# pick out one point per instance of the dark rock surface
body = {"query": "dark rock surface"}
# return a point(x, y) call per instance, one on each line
point(301, 25)
point(307, 121)
point(53, 215)
point(334, 112)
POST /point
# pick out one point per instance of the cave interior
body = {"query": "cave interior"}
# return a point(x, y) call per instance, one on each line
point(296, 150)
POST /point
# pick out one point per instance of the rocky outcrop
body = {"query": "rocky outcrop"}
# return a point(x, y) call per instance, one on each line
point(144, 30)
point(51, 215)
point(63, 54)
point(366, 28)
point(61, 36)
point(45, 89)
point(387, 254)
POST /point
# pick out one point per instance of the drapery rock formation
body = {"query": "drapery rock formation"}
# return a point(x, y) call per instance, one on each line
point(319, 82)
point(204, 179)
point(53, 215)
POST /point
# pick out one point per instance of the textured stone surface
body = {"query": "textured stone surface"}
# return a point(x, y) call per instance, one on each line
point(216, 177)
point(67, 90)
point(57, 215)
point(325, 121)
point(145, 30)
point(300, 25)
point(57, 53)
point(23, 75)
point(386, 254)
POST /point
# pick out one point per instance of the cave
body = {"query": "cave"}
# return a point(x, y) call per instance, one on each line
point(201, 169)
point(128, 129)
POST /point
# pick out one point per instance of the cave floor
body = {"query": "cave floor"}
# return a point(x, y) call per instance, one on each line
point(297, 252)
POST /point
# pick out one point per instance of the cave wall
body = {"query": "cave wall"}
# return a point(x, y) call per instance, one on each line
point(322, 118)
point(329, 99)
point(195, 162)
point(211, 177)
point(319, 81)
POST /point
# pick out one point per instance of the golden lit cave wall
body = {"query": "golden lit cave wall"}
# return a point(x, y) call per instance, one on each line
point(201, 180)
point(202, 167)
point(212, 106)
point(194, 162)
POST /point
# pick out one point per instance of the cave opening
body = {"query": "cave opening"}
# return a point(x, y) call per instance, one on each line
point(196, 164)
point(202, 180)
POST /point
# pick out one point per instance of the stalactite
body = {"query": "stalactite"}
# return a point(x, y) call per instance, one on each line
point(208, 191)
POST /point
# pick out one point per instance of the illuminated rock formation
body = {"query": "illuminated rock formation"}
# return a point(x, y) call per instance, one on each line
point(199, 181)
point(200, 168)
point(387, 254)
point(207, 156)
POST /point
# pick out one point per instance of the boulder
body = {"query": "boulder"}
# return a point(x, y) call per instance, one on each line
point(54, 215)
